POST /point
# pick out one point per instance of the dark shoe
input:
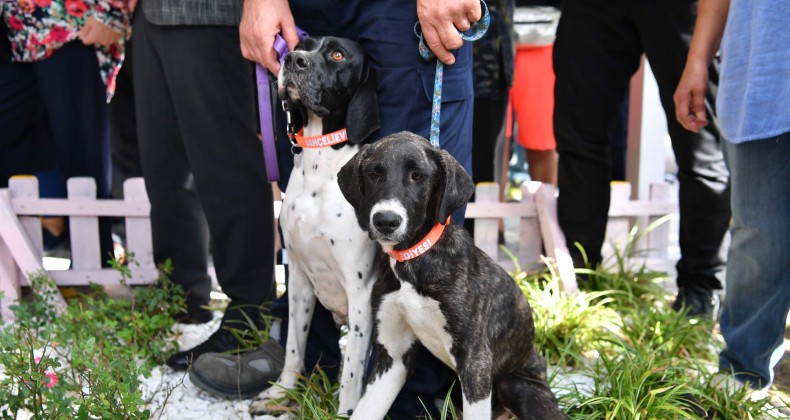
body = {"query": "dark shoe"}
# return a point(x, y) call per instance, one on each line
point(220, 341)
point(196, 316)
point(699, 301)
point(238, 376)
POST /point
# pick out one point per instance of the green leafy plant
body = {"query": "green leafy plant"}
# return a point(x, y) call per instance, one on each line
point(86, 362)
point(568, 328)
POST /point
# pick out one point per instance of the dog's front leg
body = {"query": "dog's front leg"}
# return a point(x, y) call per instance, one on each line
point(394, 355)
point(360, 327)
point(388, 378)
point(476, 382)
point(301, 303)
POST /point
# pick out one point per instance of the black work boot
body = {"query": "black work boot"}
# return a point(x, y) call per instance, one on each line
point(220, 341)
point(239, 376)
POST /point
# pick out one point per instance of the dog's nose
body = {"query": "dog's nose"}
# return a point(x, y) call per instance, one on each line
point(386, 221)
point(296, 61)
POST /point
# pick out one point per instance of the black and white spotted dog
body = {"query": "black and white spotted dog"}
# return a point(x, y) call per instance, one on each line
point(329, 91)
point(439, 290)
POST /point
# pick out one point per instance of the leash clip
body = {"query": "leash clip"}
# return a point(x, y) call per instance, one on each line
point(295, 148)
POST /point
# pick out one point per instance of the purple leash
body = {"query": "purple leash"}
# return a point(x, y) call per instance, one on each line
point(265, 107)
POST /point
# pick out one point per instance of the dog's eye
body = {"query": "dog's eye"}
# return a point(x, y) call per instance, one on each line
point(337, 55)
point(374, 176)
point(416, 176)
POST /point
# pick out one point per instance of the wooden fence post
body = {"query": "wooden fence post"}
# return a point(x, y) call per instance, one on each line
point(487, 228)
point(138, 229)
point(553, 238)
point(85, 244)
point(531, 241)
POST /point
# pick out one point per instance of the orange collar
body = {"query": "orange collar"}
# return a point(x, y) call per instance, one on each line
point(423, 246)
point(324, 140)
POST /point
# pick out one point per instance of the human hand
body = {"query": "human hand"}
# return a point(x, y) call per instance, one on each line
point(97, 33)
point(261, 20)
point(689, 96)
point(125, 5)
point(442, 19)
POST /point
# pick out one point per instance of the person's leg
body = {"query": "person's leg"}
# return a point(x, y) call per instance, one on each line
point(542, 165)
point(213, 93)
point(489, 118)
point(758, 291)
point(75, 98)
point(665, 28)
point(533, 103)
point(25, 145)
point(595, 53)
point(177, 222)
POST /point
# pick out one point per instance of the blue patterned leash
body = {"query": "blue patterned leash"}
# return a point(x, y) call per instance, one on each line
point(478, 29)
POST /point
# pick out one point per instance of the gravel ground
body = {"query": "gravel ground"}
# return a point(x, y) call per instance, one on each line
point(186, 401)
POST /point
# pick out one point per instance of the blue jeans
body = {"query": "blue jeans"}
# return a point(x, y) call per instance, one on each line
point(758, 287)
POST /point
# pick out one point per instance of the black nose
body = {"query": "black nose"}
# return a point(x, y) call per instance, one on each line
point(296, 61)
point(386, 221)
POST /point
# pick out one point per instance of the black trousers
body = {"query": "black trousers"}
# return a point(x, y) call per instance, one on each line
point(598, 48)
point(195, 102)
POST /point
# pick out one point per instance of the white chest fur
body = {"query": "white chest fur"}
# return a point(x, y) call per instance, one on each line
point(320, 228)
point(418, 315)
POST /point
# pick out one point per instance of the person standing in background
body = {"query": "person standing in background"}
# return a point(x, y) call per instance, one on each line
point(76, 48)
point(598, 48)
point(753, 105)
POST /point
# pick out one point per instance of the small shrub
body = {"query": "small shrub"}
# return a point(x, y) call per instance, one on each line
point(86, 362)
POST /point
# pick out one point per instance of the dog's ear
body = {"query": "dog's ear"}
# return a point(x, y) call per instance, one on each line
point(350, 180)
point(362, 118)
point(456, 186)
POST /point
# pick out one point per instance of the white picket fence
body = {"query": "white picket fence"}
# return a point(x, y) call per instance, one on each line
point(540, 234)
point(21, 247)
point(538, 228)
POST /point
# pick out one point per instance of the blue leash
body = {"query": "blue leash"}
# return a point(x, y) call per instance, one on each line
point(478, 29)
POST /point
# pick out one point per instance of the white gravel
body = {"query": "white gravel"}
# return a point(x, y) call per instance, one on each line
point(185, 400)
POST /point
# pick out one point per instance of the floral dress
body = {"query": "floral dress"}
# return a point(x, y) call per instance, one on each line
point(37, 28)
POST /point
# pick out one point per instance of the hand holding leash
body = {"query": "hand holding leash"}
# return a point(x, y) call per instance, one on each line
point(261, 22)
point(441, 20)
point(279, 48)
point(478, 29)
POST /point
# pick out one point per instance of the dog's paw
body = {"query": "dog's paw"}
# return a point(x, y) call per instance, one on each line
point(269, 402)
